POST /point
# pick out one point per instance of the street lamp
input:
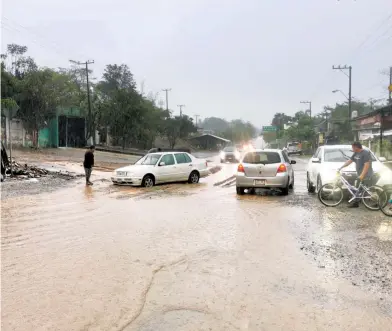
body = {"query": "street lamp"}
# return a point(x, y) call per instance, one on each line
point(334, 91)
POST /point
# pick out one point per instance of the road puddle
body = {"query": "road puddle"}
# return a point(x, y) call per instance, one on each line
point(191, 257)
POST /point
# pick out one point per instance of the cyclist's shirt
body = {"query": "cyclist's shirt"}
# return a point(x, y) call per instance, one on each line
point(360, 159)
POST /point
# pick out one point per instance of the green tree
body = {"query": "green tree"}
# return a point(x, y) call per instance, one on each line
point(178, 128)
point(240, 131)
point(41, 92)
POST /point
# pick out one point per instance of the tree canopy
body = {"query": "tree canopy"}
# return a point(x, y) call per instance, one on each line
point(116, 106)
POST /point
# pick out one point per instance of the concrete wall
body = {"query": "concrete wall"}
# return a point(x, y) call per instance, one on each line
point(19, 136)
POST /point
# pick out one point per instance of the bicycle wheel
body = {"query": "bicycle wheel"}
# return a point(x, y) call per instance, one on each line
point(330, 195)
point(374, 197)
point(386, 207)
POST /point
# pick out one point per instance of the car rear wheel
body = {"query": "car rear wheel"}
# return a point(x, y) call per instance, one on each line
point(148, 181)
point(292, 185)
point(194, 177)
point(285, 191)
point(240, 190)
point(311, 188)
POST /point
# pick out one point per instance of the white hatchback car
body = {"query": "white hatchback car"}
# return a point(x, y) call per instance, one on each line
point(164, 167)
point(327, 160)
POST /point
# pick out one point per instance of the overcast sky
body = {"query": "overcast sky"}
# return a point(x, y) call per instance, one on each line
point(228, 58)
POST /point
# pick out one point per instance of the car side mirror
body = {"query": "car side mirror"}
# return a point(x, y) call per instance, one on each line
point(382, 159)
point(316, 160)
point(293, 162)
point(161, 164)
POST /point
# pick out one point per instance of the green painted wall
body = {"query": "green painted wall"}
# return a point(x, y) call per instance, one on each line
point(49, 136)
point(44, 138)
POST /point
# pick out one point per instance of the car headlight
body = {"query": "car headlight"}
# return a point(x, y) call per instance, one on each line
point(329, 176)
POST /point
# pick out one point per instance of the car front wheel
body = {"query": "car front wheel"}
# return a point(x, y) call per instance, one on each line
point(148, 181)
point(311, 188)
point(194, 177)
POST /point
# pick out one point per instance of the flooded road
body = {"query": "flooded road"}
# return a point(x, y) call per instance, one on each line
point(183, 257)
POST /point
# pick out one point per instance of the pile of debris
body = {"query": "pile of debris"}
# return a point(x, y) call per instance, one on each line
point(25, 171)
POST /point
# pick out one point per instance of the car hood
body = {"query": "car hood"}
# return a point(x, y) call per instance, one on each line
point(334, 166)
point(136, 169)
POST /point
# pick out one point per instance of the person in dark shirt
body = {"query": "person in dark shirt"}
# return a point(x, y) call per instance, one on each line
point(89, 163)
point(363, 162)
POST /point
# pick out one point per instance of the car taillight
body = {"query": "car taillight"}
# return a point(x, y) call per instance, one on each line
point(241, 168)
point(282, 168)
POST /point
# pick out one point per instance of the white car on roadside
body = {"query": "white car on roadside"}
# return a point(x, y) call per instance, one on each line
point(327, 160)
point(164, 167)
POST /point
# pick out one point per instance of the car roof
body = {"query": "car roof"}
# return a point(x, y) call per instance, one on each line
point(163, 153)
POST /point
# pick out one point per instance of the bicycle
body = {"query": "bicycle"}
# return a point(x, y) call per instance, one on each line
point(386, 207)
point(372, 197)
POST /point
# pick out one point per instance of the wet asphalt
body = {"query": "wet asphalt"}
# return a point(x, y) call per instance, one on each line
point(192, 257)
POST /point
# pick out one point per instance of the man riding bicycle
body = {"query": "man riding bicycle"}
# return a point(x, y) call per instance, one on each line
point(363, 163)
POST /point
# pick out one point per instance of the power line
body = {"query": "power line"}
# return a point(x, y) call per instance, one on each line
point(52, 44)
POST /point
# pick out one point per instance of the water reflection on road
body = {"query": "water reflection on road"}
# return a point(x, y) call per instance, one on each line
point(175, 257)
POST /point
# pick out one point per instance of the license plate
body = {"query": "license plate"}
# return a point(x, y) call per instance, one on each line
point(259, 182)
point(121, 173)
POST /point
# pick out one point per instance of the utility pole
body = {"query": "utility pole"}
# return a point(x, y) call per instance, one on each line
point(197, 117)
point(90, 118)
point(167, 90)
point(310, 106)
point(349, 68)
point(180, 106)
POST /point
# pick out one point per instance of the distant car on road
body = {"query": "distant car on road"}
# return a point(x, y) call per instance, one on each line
point(163, 167)
point(230, 154)
point(325, 162)
point(268, 168)
point(294, 148)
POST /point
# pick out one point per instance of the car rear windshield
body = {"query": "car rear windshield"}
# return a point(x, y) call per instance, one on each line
point(229, 149)
point(340, 155)
point(262, 158)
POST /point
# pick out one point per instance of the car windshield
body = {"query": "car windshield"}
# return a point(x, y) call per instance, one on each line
point(149, 159)
point(262, 158)
point(293, 145)
point(229, 149)
point(340, 155)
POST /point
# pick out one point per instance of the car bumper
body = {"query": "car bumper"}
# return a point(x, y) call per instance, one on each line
point(127, 181)
point(230, 158)
point(270, 182)
point(204, 173)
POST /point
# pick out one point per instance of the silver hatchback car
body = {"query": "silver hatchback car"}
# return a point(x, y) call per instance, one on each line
point(265, 168)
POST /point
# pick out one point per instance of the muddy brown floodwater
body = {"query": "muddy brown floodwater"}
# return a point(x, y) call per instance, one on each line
point(176, 257)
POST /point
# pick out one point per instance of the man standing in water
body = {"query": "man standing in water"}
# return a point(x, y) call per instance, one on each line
point(89, 163)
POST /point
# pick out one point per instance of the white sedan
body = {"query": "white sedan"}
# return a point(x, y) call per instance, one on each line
point(324, 164)
point(165, 167)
